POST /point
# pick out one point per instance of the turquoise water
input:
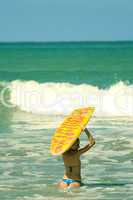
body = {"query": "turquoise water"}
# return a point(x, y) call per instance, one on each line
point(42, 82)
point(100, 64)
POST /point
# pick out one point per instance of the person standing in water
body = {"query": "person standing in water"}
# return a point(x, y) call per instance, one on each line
point(72, 163)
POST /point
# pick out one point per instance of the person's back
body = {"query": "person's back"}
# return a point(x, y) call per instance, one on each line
point(72, 175)
point(72, 164)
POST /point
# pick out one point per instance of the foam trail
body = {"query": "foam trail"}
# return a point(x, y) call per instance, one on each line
point(61, 98)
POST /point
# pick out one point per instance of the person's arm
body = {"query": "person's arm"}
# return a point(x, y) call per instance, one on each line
point(89, 145)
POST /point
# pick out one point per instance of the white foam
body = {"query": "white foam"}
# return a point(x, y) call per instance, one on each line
point(61, 98)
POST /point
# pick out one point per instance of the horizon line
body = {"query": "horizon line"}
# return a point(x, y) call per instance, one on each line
point(65, 41)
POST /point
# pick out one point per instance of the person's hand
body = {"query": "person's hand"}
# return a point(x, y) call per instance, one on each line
point(82, 129)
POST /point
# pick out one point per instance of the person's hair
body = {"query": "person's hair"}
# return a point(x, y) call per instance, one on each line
point(77, 140)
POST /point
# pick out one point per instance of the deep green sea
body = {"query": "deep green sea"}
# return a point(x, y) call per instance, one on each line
point(40, 83)
point(98, 63)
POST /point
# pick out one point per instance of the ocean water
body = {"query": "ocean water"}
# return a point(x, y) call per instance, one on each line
point(40, 83)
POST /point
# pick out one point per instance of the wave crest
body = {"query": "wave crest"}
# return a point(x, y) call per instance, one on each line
point(61, 98)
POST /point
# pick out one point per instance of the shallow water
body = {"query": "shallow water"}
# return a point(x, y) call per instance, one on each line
point(54, 79)
point(29, 172)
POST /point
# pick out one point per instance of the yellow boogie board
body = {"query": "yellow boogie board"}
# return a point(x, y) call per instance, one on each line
point(70, 129)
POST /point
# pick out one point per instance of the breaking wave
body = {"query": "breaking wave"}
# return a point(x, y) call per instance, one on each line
point(61, 98)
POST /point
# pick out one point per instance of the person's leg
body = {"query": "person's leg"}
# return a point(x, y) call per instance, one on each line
point(62, 185)
point(75, 184)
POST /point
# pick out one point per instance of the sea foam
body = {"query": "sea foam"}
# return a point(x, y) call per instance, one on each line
point(62, 98)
